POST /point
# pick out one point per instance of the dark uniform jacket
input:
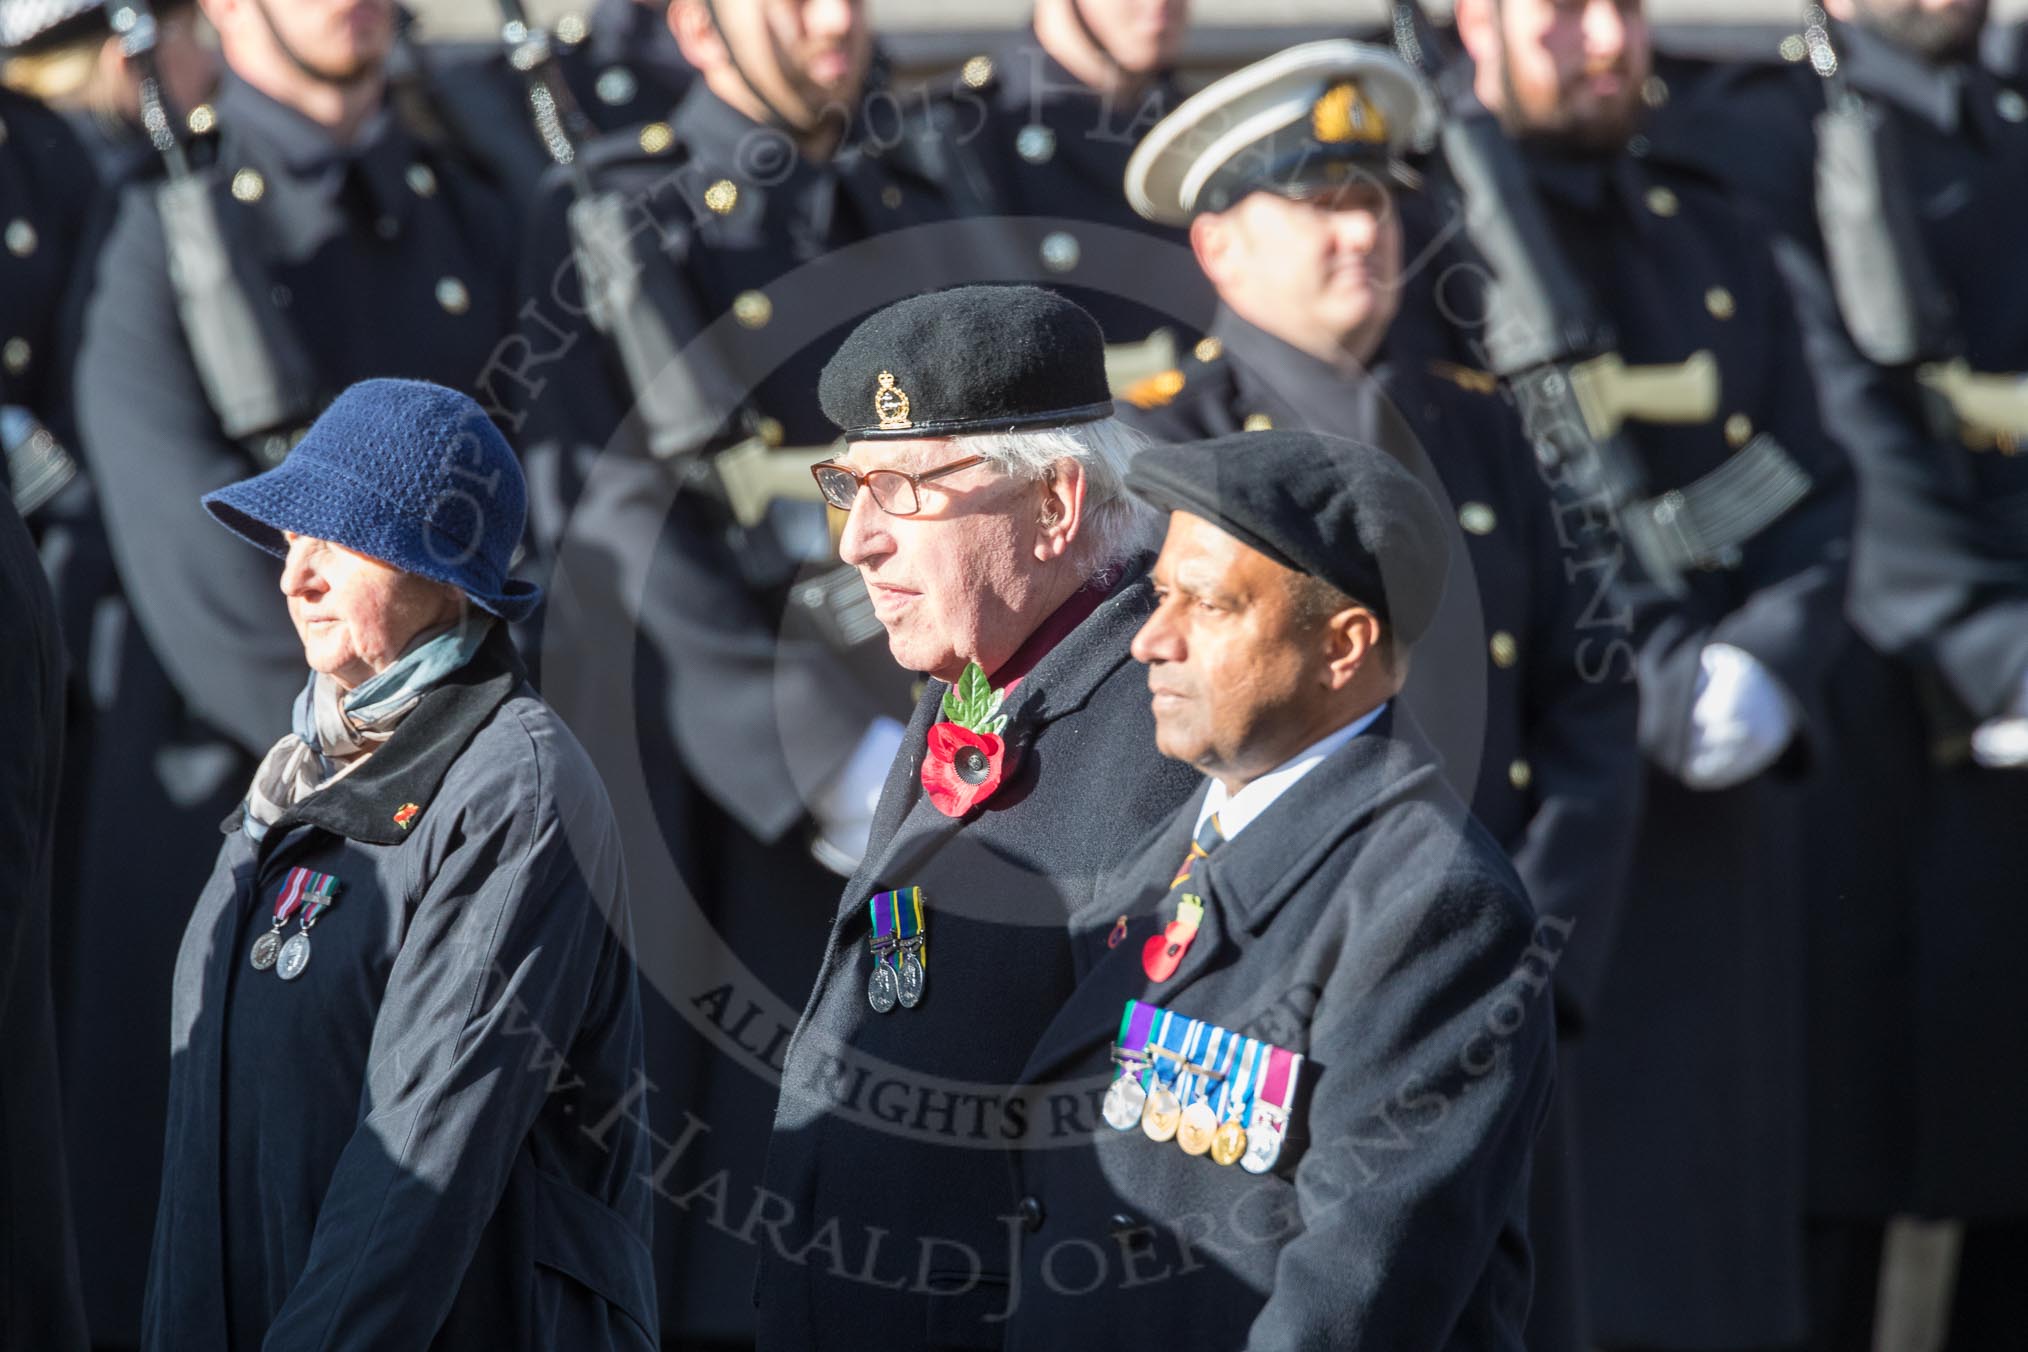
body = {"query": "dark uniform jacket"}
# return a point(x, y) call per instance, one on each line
point(1516, 679)
point(1030, 141)
point(1924, 860)
point(889, 1169)
point(387, 260)
point(735, 707)
point(39, 1302)
point(416, 1143)
point(1366, 922)
point(1697, 1028)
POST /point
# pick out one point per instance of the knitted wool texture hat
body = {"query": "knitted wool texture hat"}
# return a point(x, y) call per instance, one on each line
point(406, 472)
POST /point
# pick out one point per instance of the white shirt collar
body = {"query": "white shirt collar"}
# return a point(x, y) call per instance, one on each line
point(1236, 810)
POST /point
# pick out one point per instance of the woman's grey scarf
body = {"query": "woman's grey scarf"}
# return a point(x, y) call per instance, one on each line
point(334, 731)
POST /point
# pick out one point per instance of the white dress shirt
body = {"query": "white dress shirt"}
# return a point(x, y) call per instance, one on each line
point(1236, 810)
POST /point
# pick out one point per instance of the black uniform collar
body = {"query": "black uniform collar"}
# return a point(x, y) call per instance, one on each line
point(410, 767)
point(1880, 69)
point(1590, 181)
point(380, 158)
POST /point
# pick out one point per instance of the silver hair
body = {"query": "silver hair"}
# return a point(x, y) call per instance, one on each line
point(1116, 527)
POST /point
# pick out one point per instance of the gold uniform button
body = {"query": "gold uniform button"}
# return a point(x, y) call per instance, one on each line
point(753, 309)
point(1738, 430)
point(1060, 251)
point(978, 70)
point(1663, 202)
point(722, 196)
point(1477, 518)
point(1259, 422)
point(771, 431)
point(201, 120)
point(1506, 652)
point(1719, 301)
point(15, 355)
point(1520, 774)
point(1793, 47)
point(452, 295)
point(21, 238)
point(571, 29)
point(1209, 349)
point(422, 180)
point(248, 185)
point(890, 197)
point(656, 138)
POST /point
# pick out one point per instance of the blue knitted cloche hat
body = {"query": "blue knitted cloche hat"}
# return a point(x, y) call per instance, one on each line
point(404, 471)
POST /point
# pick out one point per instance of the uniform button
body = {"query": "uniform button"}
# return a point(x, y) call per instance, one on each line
point(722, 196)
point(452, 295)
point(387, 227)
point(1477, 518)
point(2011, 105)
point(1259, 422)
point(1655, 91)
point(890, 197)
point(1060, 251)
point(1506, 652)
point(1030, 1212)
point(15, 356)
point(615, 85)
point(570, 29)
point(978, 70)
point(248, 185)
point(422, 180)
point(1793, 48)
point(656, 138)
point(771, 431)
point(281, 296)
point(1035, 144)
point(201, 120)
point(1209, 349)
point(1520, 774)
point(21, 238)
point(1738, 430)
point(753, 309)
point(1637, 146)
point(1662, 202)
point(1719, 301)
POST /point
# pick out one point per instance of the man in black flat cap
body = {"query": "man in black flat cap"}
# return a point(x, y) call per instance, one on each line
point(985, 509)
point(1340, 979)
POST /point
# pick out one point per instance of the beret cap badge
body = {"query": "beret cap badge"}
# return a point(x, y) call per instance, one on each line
point(1343, 115)
point(890, 404)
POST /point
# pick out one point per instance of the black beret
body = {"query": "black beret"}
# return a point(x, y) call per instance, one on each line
point(969, 359)
point(1334, 509)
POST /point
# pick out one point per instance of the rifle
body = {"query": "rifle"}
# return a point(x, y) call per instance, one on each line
point(1897, 311)
point(1558, 357)
point(254, 370)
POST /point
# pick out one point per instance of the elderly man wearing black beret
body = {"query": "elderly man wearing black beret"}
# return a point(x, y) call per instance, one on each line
point(1331, 1049)
point(982, 482)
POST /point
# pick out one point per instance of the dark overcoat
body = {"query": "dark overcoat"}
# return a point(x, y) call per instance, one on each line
point(1367, 922)
point(1532, 717)
point(39, 1303)
point(421, 1141)
point(888, 1172)
point(386, 259)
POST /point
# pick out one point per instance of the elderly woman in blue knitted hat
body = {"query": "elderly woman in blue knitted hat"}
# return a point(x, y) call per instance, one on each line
point(405, 1017)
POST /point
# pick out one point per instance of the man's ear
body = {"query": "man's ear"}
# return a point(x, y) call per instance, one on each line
point(1061, 512)
point(1355, 641)
point(1211, 240)
point(1479, 29)
point(697, 37)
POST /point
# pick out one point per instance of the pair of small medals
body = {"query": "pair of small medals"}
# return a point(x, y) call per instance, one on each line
point(1209, 1090)
point(900, 955)
point(305, 892)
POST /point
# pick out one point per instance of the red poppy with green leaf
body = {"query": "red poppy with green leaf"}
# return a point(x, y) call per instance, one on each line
point(967, 756)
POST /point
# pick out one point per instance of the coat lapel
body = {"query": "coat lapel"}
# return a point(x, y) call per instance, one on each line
point(1243, 883)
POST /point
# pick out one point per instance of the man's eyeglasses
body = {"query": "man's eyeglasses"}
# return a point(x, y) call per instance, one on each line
point(895, 491)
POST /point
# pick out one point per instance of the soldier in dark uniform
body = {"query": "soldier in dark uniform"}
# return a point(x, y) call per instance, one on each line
point(1906, 998)
point(1688, 1089)
point(752, 711)
point(1301, 233)
point(352, 249)
point(1042, 127)
point(1342, 960)
point(982, 473)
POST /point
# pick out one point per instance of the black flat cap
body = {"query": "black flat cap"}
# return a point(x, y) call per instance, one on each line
point(969, 359)
point(1335, 509)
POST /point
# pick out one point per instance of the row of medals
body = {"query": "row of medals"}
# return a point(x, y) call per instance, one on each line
point(1163, 1116)
point(288, 957)
point(888, 986)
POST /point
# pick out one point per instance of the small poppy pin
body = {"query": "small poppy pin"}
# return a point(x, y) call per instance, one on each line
point(406, 814)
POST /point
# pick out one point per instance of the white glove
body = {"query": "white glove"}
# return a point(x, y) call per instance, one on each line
point(1740, 722)
point(2001, 743)
point(844, 810)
